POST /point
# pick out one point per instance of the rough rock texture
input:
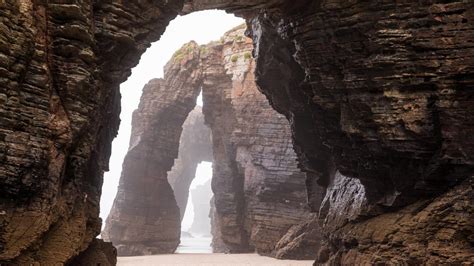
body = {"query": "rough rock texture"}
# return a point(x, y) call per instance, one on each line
point(379, 91)
point(194, 147)
point(217, 244)
point(301, 241)
point(392, 122)
point(145, 218)
point(61, 63)
point(201, 198)
point(381, 94)
point(98, 253)
point(437, 231)
point(259, 191)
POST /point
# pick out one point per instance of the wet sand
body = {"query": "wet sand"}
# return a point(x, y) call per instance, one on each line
point(208, 260)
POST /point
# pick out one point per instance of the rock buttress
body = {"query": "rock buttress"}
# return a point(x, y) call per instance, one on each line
point(259, 192)
point(60, 69)
point(145, 217)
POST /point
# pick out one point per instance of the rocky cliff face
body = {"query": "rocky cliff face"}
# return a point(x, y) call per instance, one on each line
point(194, 147)
point(259, 191)
point(61, 65)
point(429, 232)
point(389, 104)
point(378, 93)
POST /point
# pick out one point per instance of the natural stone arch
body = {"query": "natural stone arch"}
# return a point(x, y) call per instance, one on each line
point(257, 158)
point(145, 207)
point(76, 49)
point(259, 192)
point(60, 54)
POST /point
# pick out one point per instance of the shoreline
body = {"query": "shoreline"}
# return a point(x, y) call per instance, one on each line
point(213, 259)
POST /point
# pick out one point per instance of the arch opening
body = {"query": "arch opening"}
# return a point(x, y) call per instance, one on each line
point(253, 158)
point(199, 26)
point(370, 129)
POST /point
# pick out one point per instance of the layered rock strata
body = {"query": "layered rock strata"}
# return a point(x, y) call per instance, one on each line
point(436, 231)
point(61, 64)
point(98, 253)
point(381, 94)
point(259, 192)
point(145, 217)
point(389, 104)
point(194, 147)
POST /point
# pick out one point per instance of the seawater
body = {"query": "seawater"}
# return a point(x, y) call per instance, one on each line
point(195, 245)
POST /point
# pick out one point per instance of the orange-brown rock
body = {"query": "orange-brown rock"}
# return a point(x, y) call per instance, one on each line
point(259, 192)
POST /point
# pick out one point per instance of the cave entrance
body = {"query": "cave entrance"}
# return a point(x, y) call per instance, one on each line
point(259, 193)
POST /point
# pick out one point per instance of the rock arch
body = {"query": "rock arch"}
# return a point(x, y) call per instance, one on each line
point(385, 100)
point(194, 147)
point(145, 207)
point(259, 192)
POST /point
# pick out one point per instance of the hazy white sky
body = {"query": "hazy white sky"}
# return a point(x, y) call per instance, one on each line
point(203, 173)
point(202, 27)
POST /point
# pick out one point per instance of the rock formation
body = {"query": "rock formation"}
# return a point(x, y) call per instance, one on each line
point(259, 192)
point(145, 217)
point(258, 189)
point(201, 199)
point(98, 253)
point(388, 108)
point(378, 95)
point(194, 147)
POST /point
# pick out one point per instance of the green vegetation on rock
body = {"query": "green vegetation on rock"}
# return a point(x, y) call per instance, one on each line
point(234, 58)
point(247, 55)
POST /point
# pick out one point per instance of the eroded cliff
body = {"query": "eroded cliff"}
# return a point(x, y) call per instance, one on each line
point(378, 117)
point(259, 192)
point(377, 92)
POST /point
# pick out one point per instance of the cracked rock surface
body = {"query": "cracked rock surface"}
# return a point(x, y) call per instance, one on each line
point(259, 192)
point(379, 93)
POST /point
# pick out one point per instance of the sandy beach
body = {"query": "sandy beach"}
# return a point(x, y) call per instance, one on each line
point(208, 260)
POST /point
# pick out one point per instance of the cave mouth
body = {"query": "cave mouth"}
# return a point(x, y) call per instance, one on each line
point(237, 129)
point(196, 234)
